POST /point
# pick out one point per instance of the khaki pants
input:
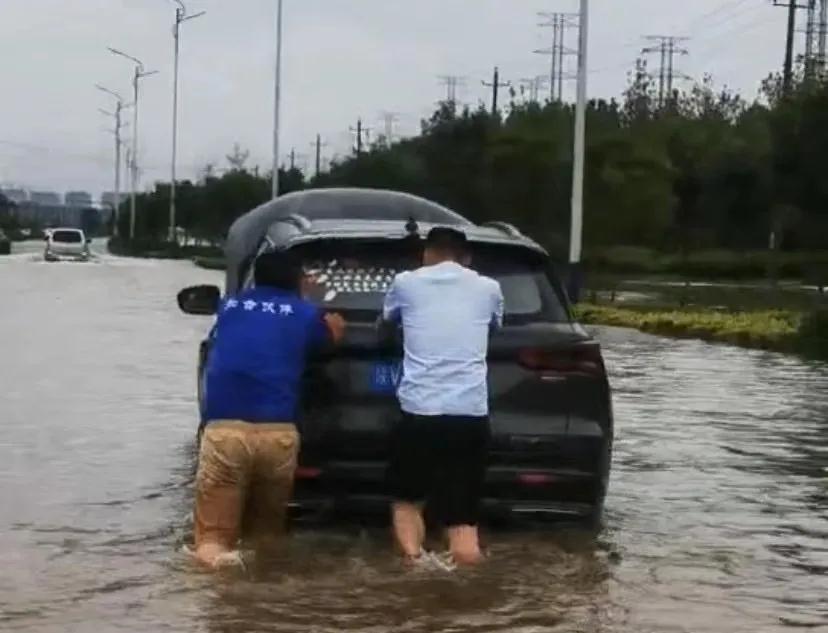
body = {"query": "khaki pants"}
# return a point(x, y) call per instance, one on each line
point(244, 482)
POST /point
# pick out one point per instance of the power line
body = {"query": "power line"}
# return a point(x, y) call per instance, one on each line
point(718, 10)
point(729, 38)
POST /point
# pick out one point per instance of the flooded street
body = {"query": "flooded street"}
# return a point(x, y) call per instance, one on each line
point(717, 516)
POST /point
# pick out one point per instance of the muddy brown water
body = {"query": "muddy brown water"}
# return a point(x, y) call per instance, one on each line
point(717, 517)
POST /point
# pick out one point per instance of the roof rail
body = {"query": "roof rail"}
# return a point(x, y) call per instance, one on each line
point(504, 227)
point(299, 221)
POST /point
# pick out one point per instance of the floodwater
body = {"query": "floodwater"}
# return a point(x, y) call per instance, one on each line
point(717, 517)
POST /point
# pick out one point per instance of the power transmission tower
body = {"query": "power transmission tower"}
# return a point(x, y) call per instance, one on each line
point(359, 131)
point(667, 49)
point(318, 145)
point(534, 85)
point(452, 83)
point(815, 38)
point(559, 22)
point(389, 119)
point(496, 85)
point(822, 45)
point(787, 72)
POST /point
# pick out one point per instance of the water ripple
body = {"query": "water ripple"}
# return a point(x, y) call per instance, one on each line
point(717, 516)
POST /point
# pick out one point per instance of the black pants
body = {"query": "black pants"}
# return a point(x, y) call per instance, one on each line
point(440, 460)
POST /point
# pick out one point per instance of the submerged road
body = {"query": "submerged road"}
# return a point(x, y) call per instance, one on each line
point(717, 516)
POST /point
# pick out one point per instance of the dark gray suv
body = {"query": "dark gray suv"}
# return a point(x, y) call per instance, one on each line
point(551, 408)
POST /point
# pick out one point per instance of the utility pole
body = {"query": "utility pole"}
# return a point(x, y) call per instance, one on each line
point(496, 85)
point(666, 47)
point(359, 131)
point(318, 145)
point(180, 17)
point(138, 74)
point(579, 153)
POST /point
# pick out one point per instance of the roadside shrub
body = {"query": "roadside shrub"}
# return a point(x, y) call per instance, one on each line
point(719, 265)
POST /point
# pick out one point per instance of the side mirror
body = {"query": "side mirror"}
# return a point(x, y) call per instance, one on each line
point(201, 300)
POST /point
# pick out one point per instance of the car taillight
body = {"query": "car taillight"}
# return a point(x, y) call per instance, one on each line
point(535, 479)
point(307, 472)
point(582, 359)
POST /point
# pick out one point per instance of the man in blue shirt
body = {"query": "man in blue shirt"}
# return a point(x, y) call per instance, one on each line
point(250, 444)
point(440, 446)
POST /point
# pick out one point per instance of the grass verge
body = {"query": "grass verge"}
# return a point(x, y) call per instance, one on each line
point(777, 330)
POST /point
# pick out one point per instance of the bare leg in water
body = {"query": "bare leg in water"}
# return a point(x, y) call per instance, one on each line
point(409, 528)
point(464, 544)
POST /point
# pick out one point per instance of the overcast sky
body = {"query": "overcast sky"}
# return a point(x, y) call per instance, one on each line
point(344, 59)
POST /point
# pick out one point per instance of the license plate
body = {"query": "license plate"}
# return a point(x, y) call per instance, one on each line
point(385, 377)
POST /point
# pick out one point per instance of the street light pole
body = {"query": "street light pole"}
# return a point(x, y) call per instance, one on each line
point(576, 227)
point(139, 74)
point(277, 100)
point(180, 17)
point(119, 107)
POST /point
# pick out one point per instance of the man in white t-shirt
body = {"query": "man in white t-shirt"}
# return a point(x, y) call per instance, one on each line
point(440, 446)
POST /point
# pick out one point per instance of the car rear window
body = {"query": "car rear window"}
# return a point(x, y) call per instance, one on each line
point(67, 237)
point(354, 277)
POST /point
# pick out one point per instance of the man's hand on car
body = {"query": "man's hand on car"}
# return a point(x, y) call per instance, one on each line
point(336, 325)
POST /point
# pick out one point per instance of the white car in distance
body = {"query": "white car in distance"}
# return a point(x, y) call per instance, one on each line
point(66, 244)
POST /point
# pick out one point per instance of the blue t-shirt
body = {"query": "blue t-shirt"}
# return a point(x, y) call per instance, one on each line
point(261, 343)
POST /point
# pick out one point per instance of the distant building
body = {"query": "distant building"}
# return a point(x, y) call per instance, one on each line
point(49, 209)
point(78, 199)
point(45, 198)
point(15, 195)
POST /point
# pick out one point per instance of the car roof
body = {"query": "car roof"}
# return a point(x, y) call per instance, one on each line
point(330, 214)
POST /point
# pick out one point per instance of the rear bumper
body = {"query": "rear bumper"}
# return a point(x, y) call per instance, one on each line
point(512, 494)
point(54, 256)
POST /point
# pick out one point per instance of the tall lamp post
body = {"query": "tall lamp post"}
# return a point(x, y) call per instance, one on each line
point(119, 108)
point(577, 222)
point(138, 74)
point(277, 100)
point(181, 16)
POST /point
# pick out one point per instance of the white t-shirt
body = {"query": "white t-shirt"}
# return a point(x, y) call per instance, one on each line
point(446, 313)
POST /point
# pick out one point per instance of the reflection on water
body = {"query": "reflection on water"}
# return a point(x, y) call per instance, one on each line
point(716, 521)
